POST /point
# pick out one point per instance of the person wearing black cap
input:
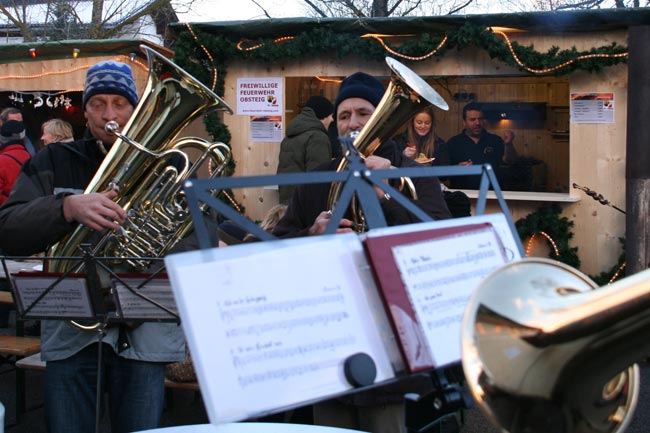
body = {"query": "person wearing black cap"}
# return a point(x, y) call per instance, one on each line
point(306, 144)
point(379, 410)
point(13, 113)
point(307, 213)
point(47, 203)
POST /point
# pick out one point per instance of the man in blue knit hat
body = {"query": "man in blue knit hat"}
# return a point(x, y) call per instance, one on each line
point(47, 203)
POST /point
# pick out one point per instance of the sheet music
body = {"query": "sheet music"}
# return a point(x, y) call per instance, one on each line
point(271, 328)
point(511, 244)
point(133, 306)
point(68, 299)
point(440, 275)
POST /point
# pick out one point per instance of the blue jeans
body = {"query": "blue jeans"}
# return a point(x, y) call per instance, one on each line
point(135, 392)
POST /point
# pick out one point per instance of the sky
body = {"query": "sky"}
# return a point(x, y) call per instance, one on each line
point(232, 10)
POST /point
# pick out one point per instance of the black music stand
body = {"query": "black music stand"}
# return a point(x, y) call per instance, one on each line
point(423, 413)
point(357, 179)
point(85, 296)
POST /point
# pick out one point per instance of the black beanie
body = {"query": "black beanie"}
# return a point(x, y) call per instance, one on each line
point(360, 85)
point(12, 131)
point(321, 106)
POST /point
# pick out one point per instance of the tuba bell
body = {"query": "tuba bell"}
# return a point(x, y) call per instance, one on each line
point(147, 165)
point(545, 350)
point(407, 93)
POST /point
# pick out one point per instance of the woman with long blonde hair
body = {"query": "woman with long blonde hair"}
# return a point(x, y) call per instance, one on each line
point(419, 141)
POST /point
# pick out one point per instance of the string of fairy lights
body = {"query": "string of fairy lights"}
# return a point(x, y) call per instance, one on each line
point(380, 39)
point(207, 53)
point(561, 65)
point(56, 99)
point(246, 45)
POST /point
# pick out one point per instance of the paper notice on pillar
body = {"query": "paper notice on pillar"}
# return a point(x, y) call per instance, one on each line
point(259, 96)
point(270, 324)
point(266, 128)
point(592, 107)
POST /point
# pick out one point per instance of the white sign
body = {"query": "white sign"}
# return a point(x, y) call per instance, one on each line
point(259, 96)
point(270, 324)
point(592, 107)
point(266, 128)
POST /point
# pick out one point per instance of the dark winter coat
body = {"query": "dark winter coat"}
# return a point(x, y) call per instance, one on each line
point(305, 146)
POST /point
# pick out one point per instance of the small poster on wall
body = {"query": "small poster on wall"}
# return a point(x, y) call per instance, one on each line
point(266, 128)
point(259, 96)
point(592, 107)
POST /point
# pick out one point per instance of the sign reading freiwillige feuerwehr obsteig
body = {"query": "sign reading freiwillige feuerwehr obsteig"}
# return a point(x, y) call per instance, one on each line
point(259, 96)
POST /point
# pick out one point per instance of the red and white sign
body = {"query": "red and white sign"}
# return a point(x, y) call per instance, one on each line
point(259, 96)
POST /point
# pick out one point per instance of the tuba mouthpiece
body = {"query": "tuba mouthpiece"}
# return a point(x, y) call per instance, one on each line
point(112, 127)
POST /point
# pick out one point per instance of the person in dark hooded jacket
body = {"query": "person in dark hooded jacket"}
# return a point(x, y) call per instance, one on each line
point(306, 144)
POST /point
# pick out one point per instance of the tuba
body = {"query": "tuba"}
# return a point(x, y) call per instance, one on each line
point(545, 350)
point(147, 165)
point(407, 93)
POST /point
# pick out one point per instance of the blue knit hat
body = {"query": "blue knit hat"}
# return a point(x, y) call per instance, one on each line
point(360, 85)
point(112, 78)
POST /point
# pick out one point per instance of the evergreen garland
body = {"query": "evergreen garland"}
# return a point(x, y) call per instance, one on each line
point(547, 220)
point(605, 278)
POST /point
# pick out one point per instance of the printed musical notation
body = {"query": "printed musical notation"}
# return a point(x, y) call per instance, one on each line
point(440, 275)
point(267, 332)
point(145, 306)
point(44, 297)
point(258, 306)
point(299, 314)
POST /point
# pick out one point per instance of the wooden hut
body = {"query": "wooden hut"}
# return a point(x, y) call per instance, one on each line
point(525, 68)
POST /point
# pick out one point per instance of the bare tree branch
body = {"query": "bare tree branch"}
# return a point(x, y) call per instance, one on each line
point(355, 11)
point(316, 9)
point(463, 6)
point(263, 10)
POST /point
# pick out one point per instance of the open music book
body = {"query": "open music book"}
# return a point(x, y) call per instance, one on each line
point(271, 325)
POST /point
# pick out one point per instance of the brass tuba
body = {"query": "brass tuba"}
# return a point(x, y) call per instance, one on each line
point(138, 166)
point(407, 93)
point(545, 350)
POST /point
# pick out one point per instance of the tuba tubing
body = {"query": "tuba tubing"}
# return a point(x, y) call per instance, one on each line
point(137, 166)
point(545, 350)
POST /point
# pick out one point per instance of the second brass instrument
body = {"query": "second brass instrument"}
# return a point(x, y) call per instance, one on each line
point(407, 93)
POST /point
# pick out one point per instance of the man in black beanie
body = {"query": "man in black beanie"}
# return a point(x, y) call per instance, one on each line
point(379, 410)
point(306, 144)
point(307, 213)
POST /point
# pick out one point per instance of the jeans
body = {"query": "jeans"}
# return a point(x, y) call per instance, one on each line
point(135, 392)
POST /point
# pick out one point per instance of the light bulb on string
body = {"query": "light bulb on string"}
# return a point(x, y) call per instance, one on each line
point(75, 53)
point(32, 52)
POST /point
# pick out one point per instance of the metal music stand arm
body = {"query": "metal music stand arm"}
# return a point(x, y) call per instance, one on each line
point(354, 176)
point(431, 412)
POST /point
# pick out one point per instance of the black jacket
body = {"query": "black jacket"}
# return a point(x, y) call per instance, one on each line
point(32, 217)
point(310, 200)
